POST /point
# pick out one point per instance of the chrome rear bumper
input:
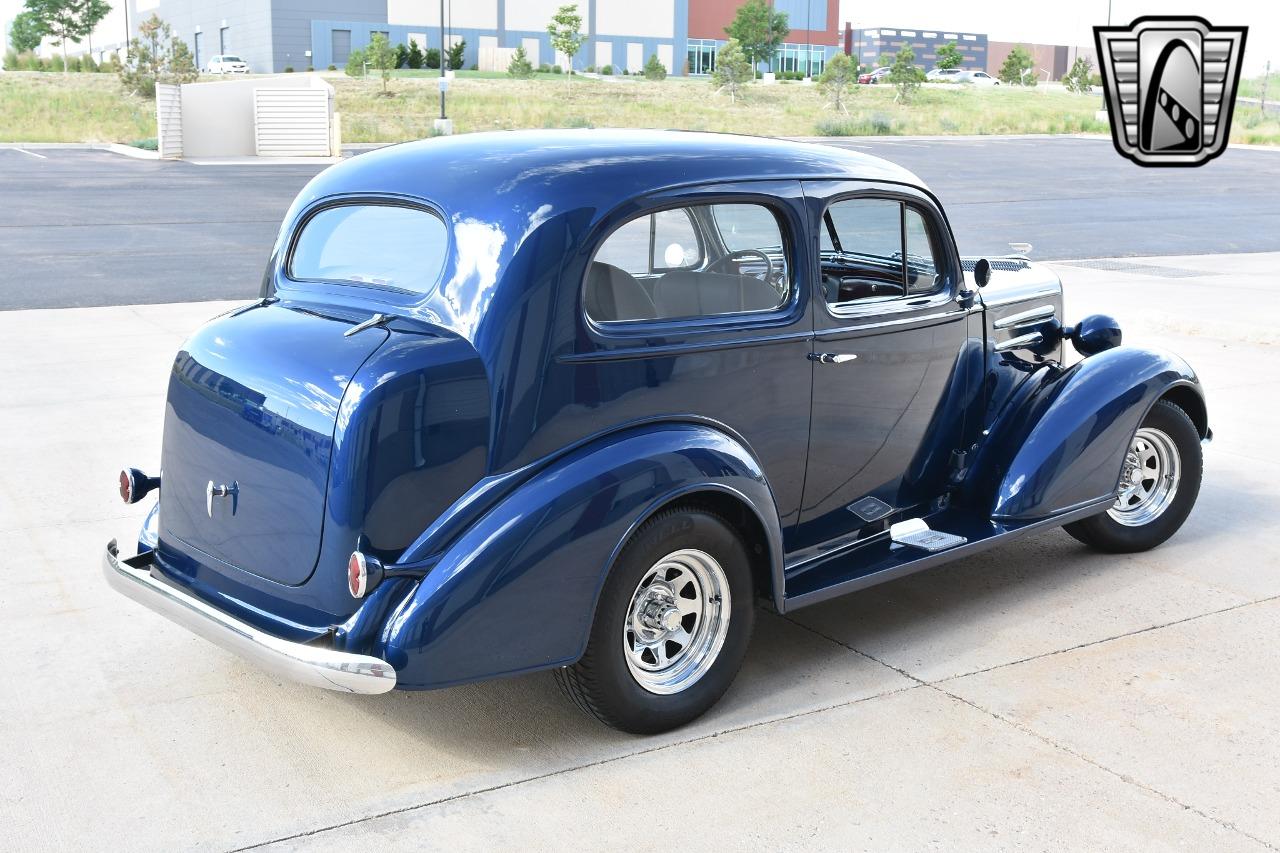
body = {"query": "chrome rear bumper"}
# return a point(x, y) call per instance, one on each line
point(311, 665)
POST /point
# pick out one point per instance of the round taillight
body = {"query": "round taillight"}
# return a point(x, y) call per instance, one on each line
point(126, 486)
point(357, 575)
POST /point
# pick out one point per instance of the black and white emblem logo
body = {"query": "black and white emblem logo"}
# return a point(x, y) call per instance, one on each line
point(1171, 85)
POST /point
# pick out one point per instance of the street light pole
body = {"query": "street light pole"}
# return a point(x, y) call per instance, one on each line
point(443, 125)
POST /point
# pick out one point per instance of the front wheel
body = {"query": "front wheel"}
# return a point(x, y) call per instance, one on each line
point(1158, 486)
point(671, 628)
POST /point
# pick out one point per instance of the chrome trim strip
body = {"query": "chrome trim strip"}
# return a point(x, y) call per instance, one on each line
point(310, 665)
point(1045, 292)
point(1031, 339)
point(1026, 318)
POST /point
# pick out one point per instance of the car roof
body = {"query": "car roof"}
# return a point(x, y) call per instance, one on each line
point(599, 169)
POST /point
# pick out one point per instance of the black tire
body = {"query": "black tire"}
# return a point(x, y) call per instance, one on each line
point(602, 684)
point(1107, 534)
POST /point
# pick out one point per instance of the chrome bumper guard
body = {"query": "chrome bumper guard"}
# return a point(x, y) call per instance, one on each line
point(311, 665)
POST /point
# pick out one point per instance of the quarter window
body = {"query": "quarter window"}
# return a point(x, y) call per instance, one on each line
point(379, 244)
point(876, 250)
point(695, 261)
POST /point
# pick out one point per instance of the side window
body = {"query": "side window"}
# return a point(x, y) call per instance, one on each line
point(864, 258)
point(689, 262)
point(656, 241)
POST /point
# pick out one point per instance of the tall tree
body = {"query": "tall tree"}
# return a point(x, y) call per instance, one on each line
point(68, 20)
point(733, 70)
point(26, 32)
point(1018, 68)
point(758, 30)
point(566, 35)
point(949, 56)
point(382, 56)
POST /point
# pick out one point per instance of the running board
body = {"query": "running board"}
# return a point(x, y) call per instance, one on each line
point(915, 532)
point(882, 559)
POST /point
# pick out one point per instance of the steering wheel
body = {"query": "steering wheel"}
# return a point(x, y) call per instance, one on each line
point(738, 257)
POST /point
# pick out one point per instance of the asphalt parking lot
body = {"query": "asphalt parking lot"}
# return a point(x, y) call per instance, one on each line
point(84, 228)
point(1035, 697)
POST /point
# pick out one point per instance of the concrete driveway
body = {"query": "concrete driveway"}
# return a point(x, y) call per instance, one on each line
point(1036, 697)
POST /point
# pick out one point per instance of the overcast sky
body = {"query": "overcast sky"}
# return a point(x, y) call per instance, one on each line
point(1052, 22)
point(1072, 22)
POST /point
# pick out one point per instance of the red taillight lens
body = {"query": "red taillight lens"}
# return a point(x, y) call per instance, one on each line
point(126, 487)
point(357, 575)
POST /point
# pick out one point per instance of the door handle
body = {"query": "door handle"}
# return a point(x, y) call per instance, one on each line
point(831, 357)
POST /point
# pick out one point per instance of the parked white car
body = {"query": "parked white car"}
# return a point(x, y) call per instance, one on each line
point(978, 78)
point(944, 75)
point(227, 64)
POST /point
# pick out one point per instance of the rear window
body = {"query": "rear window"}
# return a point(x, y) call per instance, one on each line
point(379, 244)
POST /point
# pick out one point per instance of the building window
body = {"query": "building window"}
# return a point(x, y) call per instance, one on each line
point(702, 56)
point(340, 41)
point(796, 57)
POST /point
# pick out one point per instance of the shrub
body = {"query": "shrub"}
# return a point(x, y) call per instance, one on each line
point(733, 70)
point(520, 67)
point(556, 69)
point(332, 67)
point(457, 55)
point(654, 69)
point(149, 144)
point(400, 56)
point(415, 56)
point(431, 59)
point(311, 68)
point(288, 69)
point(544, 68)
point(606, 70)
point(1018, 68)
point(11, 60)
point(355, 63)
point(591, 69)
point(56, 63)
point(1077, 79)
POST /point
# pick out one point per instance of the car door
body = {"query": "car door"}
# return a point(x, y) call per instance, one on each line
point(889, 382)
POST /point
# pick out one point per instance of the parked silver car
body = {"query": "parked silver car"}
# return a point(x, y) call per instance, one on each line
point(978, 78)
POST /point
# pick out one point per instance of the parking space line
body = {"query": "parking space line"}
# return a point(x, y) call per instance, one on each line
point(32, 153)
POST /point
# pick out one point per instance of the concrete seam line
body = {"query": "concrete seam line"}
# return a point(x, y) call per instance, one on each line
point(1123, 777)
point(567, 770)
point(1086, 645)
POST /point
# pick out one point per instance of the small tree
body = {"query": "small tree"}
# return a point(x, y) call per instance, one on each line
point(758, 30)
point(733, 70)
point(458, 54)
point(382, 57)
point(566, 35)
point(355, 63)
point(26, 32)
point(401, 58)
point(838, 80)
point(431, 58)
point(520, 67)
point(68, 20)
point(1017, 68)
point(949, 56)
point(156, 56)
point(904, 75)
point(1080, 78)
point(653, 69)
point(415, 56)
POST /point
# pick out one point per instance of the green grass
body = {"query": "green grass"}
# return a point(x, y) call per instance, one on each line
point(48, 107)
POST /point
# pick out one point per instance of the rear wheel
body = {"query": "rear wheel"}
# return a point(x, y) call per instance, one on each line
point(1158, 486)
point(671, 628)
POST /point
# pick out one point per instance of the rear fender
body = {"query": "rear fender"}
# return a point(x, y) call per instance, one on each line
point(517, 590)
point(1061, 445)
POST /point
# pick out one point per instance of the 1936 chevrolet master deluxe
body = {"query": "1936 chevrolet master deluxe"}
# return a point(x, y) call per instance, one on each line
point(574, 400)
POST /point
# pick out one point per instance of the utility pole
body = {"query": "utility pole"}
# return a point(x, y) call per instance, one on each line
point(1108, 13)
point(808, 48)
point(1266, 78)
point(443, 125)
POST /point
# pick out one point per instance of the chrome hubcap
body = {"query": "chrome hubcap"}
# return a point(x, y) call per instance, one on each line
point(1149, 481)
point(677, 621)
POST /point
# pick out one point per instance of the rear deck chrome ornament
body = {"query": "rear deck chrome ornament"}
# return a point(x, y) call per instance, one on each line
point(1170, 84)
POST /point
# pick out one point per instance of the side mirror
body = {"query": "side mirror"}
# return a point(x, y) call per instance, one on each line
point(982, 272)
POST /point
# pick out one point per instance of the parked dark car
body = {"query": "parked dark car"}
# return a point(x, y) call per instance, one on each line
point(575, 400)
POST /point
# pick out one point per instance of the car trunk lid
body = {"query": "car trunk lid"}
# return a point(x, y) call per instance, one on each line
point(253, 402)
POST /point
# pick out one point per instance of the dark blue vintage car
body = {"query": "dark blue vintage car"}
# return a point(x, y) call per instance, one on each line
point(576, 400)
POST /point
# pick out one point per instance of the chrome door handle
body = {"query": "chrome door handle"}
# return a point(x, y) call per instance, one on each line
point(831, 357)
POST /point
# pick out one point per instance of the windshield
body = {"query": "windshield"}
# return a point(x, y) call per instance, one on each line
point(232, 59)
point(380, 244)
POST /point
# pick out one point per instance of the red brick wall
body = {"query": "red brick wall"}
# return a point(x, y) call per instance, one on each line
point(708, 18)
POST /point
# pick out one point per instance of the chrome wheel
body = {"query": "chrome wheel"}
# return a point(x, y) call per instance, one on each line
point(1149, 482)
point(677, 621)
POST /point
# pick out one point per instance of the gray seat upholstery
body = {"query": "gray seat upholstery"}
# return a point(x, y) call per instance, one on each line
point(684, 293)
point(614, 294)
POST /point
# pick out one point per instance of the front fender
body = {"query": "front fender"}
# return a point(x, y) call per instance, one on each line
point(517, 590)
point(1062, 445)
